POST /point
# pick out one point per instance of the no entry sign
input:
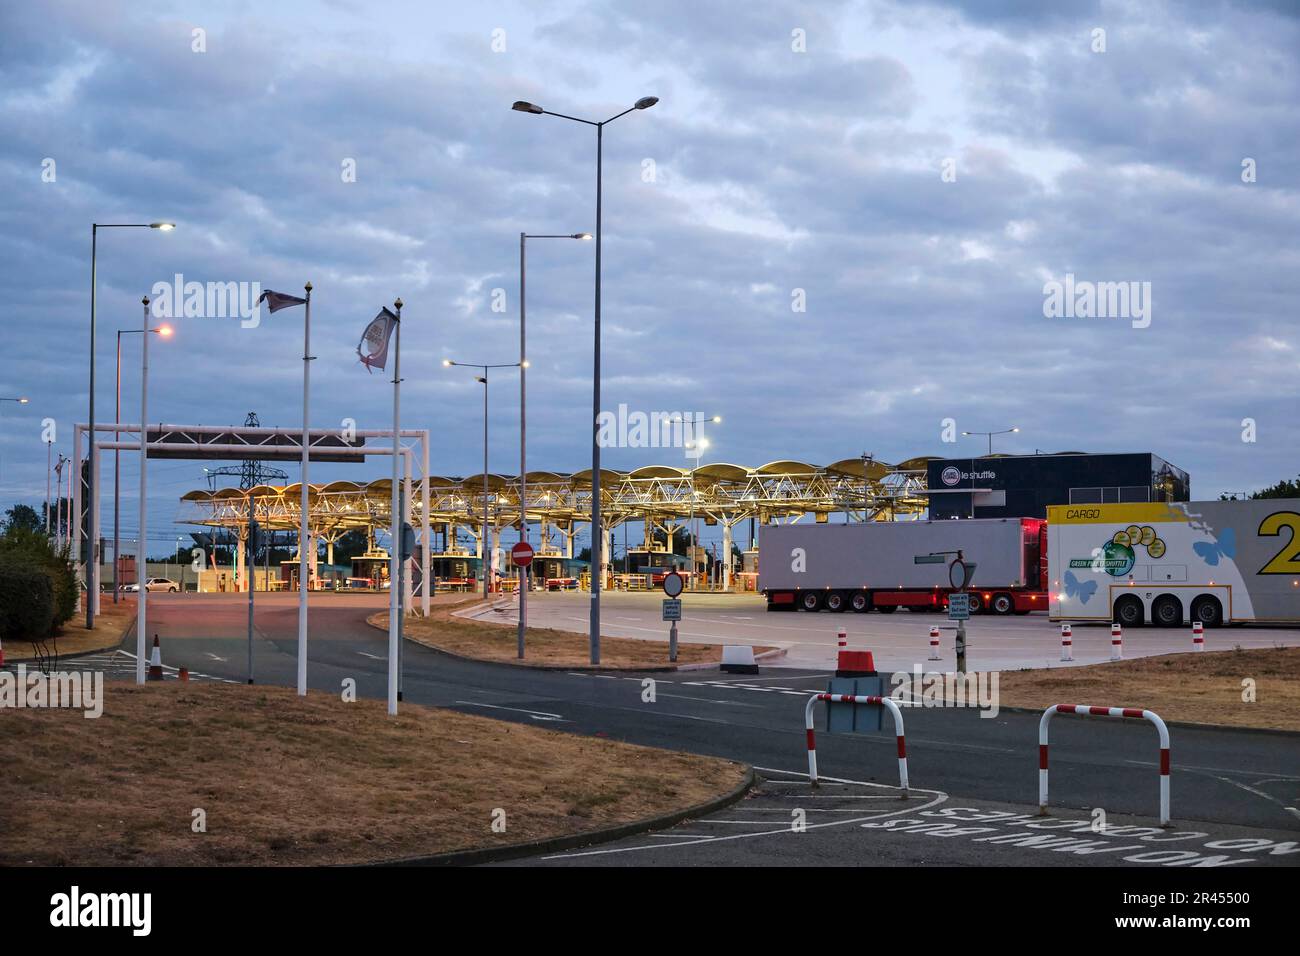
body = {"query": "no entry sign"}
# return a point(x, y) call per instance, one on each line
point(522, 554)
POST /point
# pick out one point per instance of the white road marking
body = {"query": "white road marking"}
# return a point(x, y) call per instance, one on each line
point(373, 657)
point(937, 799)
point(535, 714)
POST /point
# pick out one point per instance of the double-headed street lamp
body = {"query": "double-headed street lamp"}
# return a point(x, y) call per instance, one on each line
point(523, 415)
point(597, 535)
point(92, 549)
point(23, 401)
point(165, 331)
point(486, 538)
point(1003, 431)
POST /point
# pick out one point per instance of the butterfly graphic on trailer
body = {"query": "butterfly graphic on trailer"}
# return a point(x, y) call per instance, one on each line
point(1211, 551)
point(1083, 590)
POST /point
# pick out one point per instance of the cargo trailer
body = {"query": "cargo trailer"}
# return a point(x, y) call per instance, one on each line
point(885, 565)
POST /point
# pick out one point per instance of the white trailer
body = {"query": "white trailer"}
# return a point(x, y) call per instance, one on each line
point(1218, 562)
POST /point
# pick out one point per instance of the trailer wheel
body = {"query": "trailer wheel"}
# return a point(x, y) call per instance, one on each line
point(860, 602)
point(1003, 604)
point(835, 601)
point(810, 601)
point(1167, 611)
point(975, 604)
point(1207, 610)
point(1128, 612)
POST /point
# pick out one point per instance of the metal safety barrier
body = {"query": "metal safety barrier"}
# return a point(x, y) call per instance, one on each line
point(1085, 710)
point(889, 705)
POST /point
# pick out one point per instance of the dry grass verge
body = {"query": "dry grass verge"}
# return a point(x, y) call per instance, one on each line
point(1201, 688)
point(286, 780)
point(111, 622)
point(487, 640)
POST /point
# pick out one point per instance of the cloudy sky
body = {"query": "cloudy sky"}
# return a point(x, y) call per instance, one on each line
point(918, 170)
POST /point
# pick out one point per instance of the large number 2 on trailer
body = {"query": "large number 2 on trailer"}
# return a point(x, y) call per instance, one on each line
point(1273, 525)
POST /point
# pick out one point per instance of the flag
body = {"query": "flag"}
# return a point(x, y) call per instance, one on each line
point(373, 347)
point(275, 301)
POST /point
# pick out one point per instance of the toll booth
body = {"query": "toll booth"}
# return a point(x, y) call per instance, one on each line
point(369, 571)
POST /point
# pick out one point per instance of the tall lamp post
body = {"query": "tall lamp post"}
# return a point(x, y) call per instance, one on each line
point(92, 557)
point(698, 445)
point(485, 540)
point(597, 533)
point(23, 401)
point(166, 332)
point(523, 416)
point(1003, 431)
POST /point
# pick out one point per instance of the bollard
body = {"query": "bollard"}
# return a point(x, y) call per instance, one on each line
point(843, 637)
point(1067, 643)
point(1116, 642)
point(934, 644)
point(1198, 636)
point(184, 675)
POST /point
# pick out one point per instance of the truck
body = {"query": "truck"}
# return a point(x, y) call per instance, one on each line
point(885, 565)
point(1168, 563)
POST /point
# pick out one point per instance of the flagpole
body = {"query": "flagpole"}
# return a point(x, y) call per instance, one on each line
point(394, 609)
point(142, 554)
point(303, 533)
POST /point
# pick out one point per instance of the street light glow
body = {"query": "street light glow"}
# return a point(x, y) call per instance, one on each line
point(166, 331)
point(164, 226)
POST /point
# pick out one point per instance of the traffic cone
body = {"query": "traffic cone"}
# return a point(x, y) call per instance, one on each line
point(155, 661)
point(934, 644)
point(1198, 639)
point(1067, 643)
point(1116, 642)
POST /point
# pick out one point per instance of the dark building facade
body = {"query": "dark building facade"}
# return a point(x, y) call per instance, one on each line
point(1022, 486)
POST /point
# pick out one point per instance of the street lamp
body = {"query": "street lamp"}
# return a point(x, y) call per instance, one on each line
point(23, 401)
point(166, 332)
point(697, 445)
point(92, 555)
point(597, 552)
point(523, 416)
point(485, 540)
point(1004, 431)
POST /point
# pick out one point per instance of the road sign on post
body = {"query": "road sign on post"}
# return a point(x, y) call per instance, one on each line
point(522, 554)
point(673, 584)
point(959, 606)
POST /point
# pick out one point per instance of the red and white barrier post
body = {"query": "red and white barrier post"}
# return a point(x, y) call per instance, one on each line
point(1116, 642)
point(934, 644)
point(843, 638)
point(1085, 710)
point(1198, 636)
point(886, 702)
point(1067, 643)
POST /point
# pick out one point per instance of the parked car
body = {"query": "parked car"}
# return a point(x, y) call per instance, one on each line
point(154, 584)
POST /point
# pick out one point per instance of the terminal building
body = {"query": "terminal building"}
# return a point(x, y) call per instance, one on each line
point(1022, 486)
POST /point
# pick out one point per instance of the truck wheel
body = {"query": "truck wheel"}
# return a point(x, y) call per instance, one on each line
point(1128, 612)
point(1003, 604)
point(886, 608)
point(835, 601)
point(1207, 610)
point(1167, 611)
point(975, 604)
point(860, 602)
point(810, 601)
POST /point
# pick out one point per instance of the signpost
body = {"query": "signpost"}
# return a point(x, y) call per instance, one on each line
point(522, 555)
point(960, 573)
point(672, 610)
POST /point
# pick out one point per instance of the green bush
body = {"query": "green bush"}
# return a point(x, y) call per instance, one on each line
point(26, 602)
point(24, 552)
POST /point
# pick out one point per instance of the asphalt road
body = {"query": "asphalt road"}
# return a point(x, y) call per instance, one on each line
point(1223, 780)
point(897, 640)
